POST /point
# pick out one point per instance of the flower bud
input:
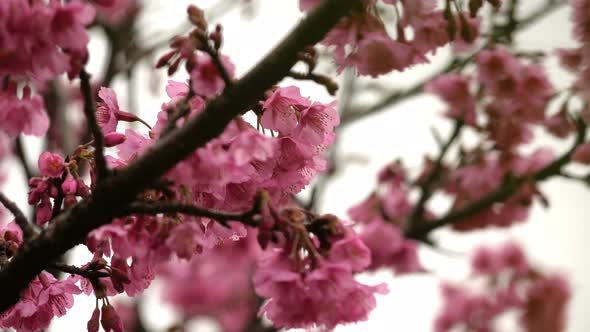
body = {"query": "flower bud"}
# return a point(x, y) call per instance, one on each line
point(110, 320)
point(92, 325)
point(114, 139)
point(69, 185)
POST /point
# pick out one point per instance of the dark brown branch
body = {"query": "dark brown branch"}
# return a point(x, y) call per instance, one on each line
point(246, 218)
point(19, 217)
point(323, 80)
point(426, 188)
point(94, 128)
point(420, 230)
point(111, 195)
point(88, 274)
point(214, 54)
point(22, 157)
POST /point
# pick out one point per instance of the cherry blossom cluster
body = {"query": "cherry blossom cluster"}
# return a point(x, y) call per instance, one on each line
point(382, 218)
point(511, 284)
point(364, 41)
point(41, 40)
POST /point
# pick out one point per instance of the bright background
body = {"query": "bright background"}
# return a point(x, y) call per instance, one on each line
point(554, 238)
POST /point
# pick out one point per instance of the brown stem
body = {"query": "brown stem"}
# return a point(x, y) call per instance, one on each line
point(175, 207)
point(112, 194)
point(426, 189)
point(94, 128)
point(19, 217)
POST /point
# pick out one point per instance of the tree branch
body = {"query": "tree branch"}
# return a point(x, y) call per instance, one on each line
point(88, 274)
point(420, 230)
point(22, 157)
point(111, 195)
point(19, 217)
point(176, 207)
point(90, 113)
point(426, 189)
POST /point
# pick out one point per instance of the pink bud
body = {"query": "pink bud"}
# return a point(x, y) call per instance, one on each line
point(69, 185)
point(93, 322)
point(51, 164)
point(114, 139)
point(110, 320)
point(43, 211)
point(164, 59)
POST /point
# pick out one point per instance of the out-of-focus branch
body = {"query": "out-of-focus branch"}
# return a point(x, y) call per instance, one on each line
point(19, 217)
point(93, 127)
point(111, 195)
point(400, 96)
point(426, 188)
point(88, 274)
point(420, 230)
point(21, 154)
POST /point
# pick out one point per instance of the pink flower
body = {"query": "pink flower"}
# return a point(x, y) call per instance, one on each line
point(220, 279)
point(106, 110)
point(22, 116)
point(68, 24)
point(368, 210)
point(389, 249)
point(486, 261)
point(455, 90)
point(205, 77)
point(281, 109)
point(45, 298)
point(430, 33)
point(546, 305)
point(378, 54)
point(582, 154)
point(51, 164)
point(317, 123)
point(352, 251)
point(570, 59)
point(325, 297)
point(41, 40)
point(496, 65)
point(536, 161)
point(134, 145)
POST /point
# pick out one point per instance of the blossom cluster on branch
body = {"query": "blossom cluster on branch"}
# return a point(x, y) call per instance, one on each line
point(208, 202)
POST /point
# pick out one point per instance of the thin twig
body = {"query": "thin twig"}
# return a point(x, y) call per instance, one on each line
point(426, 189)
point(90, 113)
point(88, 274)
point(19, 217)
point(246, 218)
